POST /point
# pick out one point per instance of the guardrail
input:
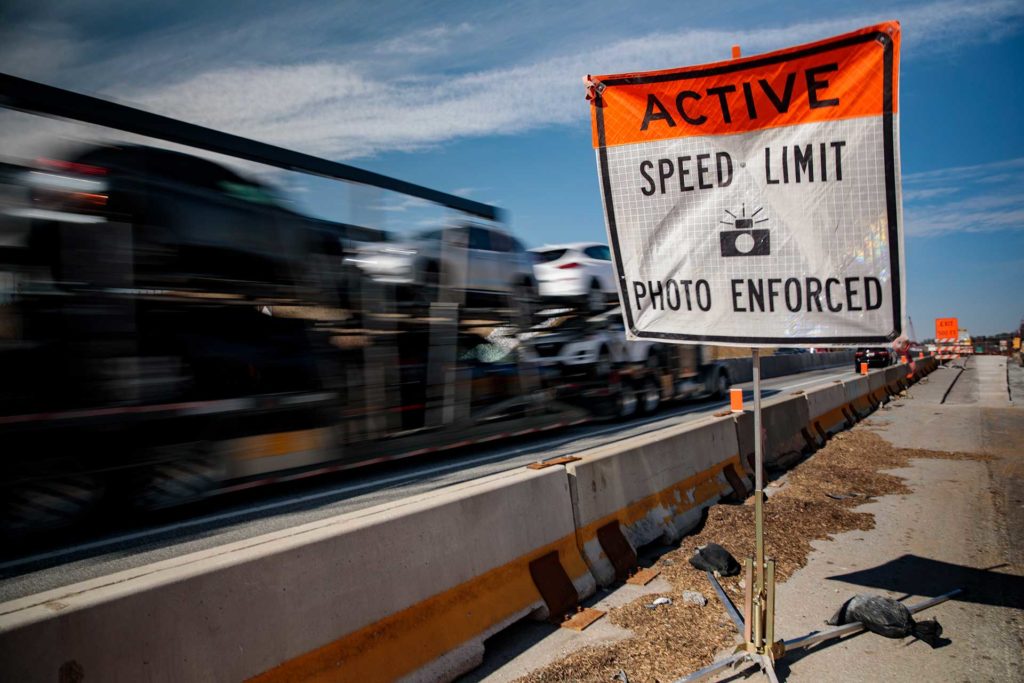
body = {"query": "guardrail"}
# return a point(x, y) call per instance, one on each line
point(412, 588)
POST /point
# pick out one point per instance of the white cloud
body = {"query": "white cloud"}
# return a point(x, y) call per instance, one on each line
point(353, 102)
point(978, 198)
point(1005, 169)
point(346, 110)
point(423, 41)
point(39, 50)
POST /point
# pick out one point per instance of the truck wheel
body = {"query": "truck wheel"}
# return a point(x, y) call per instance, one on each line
point(626, 401)
point(721, 384)
point(650, 395)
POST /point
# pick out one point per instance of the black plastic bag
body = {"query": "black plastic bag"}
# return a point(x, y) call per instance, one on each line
point(714, 558)
point(886, 617)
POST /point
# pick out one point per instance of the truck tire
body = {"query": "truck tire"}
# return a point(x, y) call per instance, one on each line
point(626, 401)
point(722, 384)
point(650, 395)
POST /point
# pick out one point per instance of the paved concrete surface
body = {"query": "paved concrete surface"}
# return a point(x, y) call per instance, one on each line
point(962, 527)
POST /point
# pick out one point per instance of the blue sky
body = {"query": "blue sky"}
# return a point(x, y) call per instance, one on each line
point(485, 100)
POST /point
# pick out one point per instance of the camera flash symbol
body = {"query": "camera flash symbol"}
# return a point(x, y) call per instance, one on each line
point(746, 240)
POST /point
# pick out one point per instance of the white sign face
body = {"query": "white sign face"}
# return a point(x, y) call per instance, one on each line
point(757, 202)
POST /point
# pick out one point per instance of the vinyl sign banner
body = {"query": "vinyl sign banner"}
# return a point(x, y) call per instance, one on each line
point(756, 202)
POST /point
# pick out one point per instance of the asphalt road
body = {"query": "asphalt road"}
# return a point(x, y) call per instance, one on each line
point(118, 544)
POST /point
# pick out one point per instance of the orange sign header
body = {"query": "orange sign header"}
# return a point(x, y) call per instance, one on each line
point(946, 328)
point(846, 77)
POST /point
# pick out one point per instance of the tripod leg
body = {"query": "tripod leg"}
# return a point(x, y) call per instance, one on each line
point(730, 608)
point(712, 669)
point(768, 667)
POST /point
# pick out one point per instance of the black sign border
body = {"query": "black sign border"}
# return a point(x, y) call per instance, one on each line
point(888, 142)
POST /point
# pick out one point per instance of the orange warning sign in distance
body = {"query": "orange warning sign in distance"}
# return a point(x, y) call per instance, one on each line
point(832, 80)
point(946, 328)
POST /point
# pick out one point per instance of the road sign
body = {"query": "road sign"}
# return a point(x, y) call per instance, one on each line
point(756, 202)
point(946, 328)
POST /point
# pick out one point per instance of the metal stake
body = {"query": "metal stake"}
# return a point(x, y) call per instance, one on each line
point(760, 592)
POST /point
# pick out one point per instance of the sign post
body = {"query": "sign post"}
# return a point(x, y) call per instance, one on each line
point(796, 154)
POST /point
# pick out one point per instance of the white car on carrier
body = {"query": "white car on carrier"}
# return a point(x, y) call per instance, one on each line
point(579, 271)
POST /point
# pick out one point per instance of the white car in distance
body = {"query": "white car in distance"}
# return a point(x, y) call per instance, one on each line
point(578, 271)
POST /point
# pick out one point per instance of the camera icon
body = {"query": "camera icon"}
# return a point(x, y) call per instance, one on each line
point(745, 239)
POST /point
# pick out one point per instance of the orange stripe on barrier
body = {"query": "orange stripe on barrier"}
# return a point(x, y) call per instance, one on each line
point(705, 486)
point(403, 642)
point(830, 420)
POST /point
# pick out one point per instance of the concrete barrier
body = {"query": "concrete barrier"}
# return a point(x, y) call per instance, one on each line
point(858, 396)
point(404, 590)
point(877, 386)
point(786, 421)
point(656, 489)
point(896, 378)
point(827, 408)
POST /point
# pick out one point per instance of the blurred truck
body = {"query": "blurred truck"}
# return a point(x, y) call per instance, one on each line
point(171, 329)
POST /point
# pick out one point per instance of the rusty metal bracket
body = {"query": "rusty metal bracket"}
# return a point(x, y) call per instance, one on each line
point(618, 549)
point(821, 432)
point(643, 576)
point(738, 487)
point(565, 459)
point(582, 619)
point(555, 586)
